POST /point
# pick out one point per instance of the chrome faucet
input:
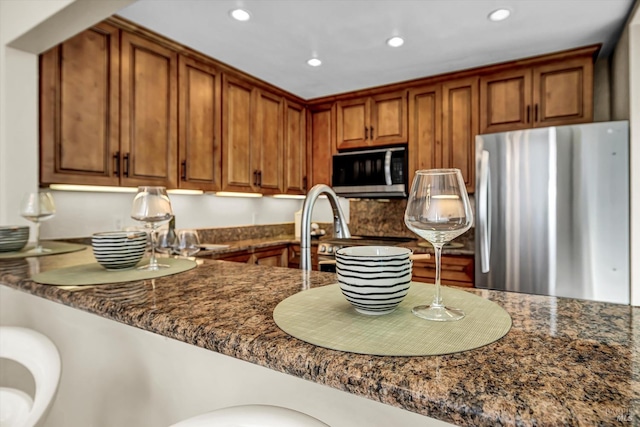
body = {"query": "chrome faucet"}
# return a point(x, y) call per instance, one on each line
point(340, 227)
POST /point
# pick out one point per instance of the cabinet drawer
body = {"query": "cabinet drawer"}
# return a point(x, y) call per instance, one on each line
point(457, 270)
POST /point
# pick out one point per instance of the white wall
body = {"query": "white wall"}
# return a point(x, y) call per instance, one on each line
point(80, 214)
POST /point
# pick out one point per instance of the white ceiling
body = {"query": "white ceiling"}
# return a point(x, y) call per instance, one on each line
point(349, 35)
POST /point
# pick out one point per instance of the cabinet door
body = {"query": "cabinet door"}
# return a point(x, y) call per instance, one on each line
point(460, 127)
point(295, 149)
point(148, 113)
point(199, 126)
point(352, 123)
point(505, 99)
point(322, 144)
point(563, 93)
point(425, 128)
point(274, 257)
point(457, 270)
point(268, 142)
point(238, 173)
point(388, 123)
point(79, 99)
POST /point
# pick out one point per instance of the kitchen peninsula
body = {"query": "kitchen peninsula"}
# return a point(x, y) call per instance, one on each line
point(564, 362)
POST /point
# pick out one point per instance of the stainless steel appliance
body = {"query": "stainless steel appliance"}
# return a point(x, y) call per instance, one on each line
point(552, 211)
point(379, 173)
point(327, 247)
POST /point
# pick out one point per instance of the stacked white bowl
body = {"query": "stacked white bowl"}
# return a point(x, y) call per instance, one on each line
point(13, 237)
point(118, 250)
point(374, 279)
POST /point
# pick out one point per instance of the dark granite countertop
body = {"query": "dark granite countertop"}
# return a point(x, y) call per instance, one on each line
point(564, 362)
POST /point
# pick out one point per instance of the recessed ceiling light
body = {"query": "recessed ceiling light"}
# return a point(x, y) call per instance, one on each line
point(395, 41)
point(314, 62)
point(499, 15)
point(240, 15)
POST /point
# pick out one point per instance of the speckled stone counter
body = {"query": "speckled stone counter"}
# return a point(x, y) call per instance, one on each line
point(564, 362)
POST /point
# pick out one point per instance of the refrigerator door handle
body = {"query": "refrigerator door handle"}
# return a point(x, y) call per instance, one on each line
point(484, 212)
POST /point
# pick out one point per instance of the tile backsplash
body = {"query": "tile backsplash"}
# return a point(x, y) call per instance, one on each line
point(369, 217)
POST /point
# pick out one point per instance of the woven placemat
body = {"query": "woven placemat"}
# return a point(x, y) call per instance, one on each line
point(95, 274)
point(53, 248)
point(323, 317)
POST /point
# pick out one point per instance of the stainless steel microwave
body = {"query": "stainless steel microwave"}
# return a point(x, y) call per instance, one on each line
point(378, 173)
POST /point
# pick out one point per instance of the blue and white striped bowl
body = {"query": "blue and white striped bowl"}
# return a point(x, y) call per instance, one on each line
point(374, 279)
point(13, 237)
point(119, 250)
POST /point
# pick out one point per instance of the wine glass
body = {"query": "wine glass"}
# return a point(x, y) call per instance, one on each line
point(438, 210)
point(153, 207)
point(37, 207)
point(188, 243)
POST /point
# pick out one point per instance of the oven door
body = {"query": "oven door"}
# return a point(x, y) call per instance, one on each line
point(327, 264)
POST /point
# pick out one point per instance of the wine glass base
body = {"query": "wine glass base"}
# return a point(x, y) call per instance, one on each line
point(438, 313)
point(153, 267)
point(39, 250)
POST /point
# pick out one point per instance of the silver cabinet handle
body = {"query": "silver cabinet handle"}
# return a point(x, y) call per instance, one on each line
point(387, 168)
point(484, 212)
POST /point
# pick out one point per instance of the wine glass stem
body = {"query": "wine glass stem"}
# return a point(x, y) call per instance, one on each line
point(437, 298)
point(153, 263)
point(38, 247)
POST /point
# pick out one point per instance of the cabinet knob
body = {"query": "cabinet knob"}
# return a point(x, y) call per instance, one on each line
point(535, 114)
point(528, 113)
point(255, 178)
point(183, 173)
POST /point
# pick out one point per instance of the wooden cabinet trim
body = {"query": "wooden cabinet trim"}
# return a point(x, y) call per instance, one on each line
point(589, 52)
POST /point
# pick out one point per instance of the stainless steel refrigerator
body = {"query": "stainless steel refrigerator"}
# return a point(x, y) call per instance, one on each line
point(552, 211)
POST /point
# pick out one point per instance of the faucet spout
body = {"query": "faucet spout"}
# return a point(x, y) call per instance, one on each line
point(340, 227)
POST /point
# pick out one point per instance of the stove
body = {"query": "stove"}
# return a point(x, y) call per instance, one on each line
point(328, 247)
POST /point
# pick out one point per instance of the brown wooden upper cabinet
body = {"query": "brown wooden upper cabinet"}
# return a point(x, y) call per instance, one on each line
point(372, 121)
point(108, 111)
point(443, 123)
point(79, 109)
point(556, 93)
point(148, 113)
point(321, 142)
point(199, 125)
point(295, 148)
point(252, 138)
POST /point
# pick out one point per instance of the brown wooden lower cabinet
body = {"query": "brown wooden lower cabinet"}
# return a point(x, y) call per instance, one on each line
point(275, 256)
point(294, 256)
point(457, 270)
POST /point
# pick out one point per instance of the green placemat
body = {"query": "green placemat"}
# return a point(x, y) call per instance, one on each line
point(95, 274)
point(54, 248)
point(323, 317)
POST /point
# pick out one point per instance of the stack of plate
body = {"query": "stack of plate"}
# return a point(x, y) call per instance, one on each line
point(13, 237)
point(117, 250)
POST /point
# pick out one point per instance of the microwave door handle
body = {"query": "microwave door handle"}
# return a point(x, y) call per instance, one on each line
point(387, 167)
point(484, 212)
